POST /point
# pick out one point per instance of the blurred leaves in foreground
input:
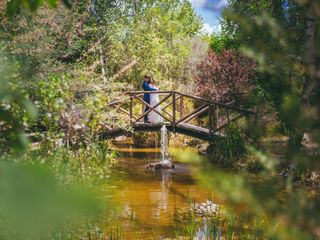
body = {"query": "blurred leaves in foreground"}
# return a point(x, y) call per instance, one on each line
point(289, 212)
point(33, 207)
point(282, 37)
point(12, 104)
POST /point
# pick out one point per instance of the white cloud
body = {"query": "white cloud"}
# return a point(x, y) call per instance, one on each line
point(217, 4)
point(198, 3)
point(208, 29)
point(222, 3)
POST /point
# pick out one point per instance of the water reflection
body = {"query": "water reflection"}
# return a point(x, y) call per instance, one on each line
point(161, 198)
point(150, 199)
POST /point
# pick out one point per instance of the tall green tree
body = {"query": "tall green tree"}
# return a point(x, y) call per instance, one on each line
point(95, 46)
point(150, 33)
point(274, 33)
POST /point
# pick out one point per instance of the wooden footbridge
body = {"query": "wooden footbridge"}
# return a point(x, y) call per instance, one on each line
point(181, 113)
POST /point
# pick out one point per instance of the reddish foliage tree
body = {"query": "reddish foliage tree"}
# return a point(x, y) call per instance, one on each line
point(225, 77)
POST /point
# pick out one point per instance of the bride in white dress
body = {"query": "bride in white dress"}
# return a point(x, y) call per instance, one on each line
point(154, 100)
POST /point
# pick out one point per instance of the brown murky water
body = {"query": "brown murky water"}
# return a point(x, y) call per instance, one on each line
point(149, 200)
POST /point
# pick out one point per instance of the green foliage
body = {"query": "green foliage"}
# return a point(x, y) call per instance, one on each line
point(87, 165)
point(220, 42)
point(33, 207)
point(276, 36)
point(51, 97)
point(282, 37)
point(154, 36)
point(51, 193)
point(13, 105)
point(266, 216)
point(14, 6)
point(146, 139)
point(63, 69)
point(98, 112)
point(229, 149)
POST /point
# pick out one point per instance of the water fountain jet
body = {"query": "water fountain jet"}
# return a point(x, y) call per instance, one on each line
point(165, 162)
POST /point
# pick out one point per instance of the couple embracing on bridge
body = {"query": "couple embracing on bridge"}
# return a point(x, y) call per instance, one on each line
point(152, 99)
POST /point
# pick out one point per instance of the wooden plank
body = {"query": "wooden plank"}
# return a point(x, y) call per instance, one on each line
point(196, 98)
point(131, 111)
point(152, 108)
point(186, 129)
point(170, 103)
point(181, 106)
point(199, 99)
point(196, 114)
point(119, 108)
point(150, 127)
point(194, 128)
point(193, 112)
point(174, 110)
point(193, 131)
point(143, 124)
point(128, 113)
point(239, 109)
point(180, 126)
point(142, 92)
point(210, 123)
point(166, 112)
point(115, 103)
point(226, 124)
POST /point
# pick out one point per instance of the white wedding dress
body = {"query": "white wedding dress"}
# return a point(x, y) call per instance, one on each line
point(153, 116)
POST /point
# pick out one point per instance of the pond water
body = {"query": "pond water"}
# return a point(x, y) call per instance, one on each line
point(150, 202)
point(150, 199)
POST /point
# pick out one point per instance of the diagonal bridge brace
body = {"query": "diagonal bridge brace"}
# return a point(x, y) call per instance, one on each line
point(195, 113)
point(152, 108)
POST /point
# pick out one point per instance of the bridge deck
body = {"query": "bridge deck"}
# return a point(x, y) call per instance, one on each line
point(183, 128)
point(176, 114)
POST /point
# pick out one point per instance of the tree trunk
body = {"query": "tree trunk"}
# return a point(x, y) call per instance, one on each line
point(311, 85)
point(310, 56)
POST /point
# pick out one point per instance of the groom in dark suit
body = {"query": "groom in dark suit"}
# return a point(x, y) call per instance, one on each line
point(146, 96)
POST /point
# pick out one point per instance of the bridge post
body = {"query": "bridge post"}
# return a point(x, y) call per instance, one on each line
point(210, 123)
point(131, 115)
point(174, 111)
point(228, 123)
point(216, 116)
point(142, 108)
point(181, 106)
point(212, 118)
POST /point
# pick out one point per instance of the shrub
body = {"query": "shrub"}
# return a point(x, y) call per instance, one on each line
point(225, 77)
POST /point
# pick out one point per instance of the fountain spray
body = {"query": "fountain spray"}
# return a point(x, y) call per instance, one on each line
point(164, 143)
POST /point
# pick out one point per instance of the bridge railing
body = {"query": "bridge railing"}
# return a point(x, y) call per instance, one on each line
point(175, 112)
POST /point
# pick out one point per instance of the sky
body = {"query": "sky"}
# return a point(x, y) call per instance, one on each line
point(210, 11)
